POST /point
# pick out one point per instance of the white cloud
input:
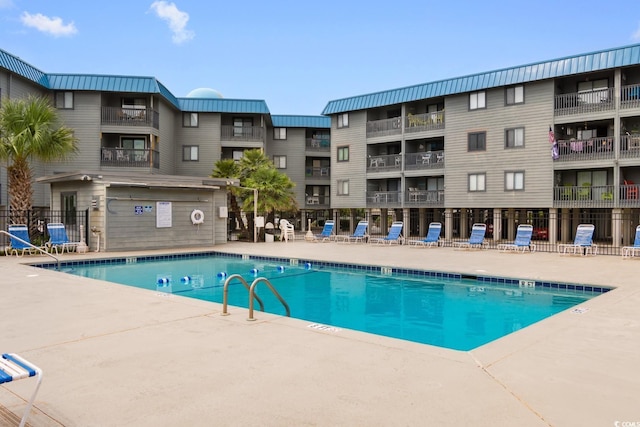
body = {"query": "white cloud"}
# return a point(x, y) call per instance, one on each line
point(636, 34)
point(53, 26)
point(176, 18)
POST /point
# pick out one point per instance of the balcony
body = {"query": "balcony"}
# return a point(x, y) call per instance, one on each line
point(630, 146)
point(384, 163)
point(588, 149)
point(584, 102)
point(424, 198)
point(384, 127)
point(587, 196)
point(318, 202)
point(424, 122)
point(315, 144)
point(117, 116)
point(424, 160)
point(630, 96)
point(241, 133)
point(129, 158)
point(384, 199)
point(319, 172)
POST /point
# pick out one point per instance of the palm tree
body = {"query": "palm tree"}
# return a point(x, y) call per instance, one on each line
point(275, 192)
point(229, 168)
point(30, 130)
point(251, 161)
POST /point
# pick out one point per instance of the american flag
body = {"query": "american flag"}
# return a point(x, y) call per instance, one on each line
point(552, 137)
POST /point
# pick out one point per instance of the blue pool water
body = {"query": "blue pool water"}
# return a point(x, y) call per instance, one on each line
point(447, 311)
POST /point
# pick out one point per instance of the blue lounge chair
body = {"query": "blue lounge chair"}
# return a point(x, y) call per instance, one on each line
point(394, 235)
point(476, 240)
point(631, 251)
point(582, 243)
point(14, 368)
point(432, 238)
point(359, 235)
point(522, 242)
point(327, 232)
point(58, 238)
point(20, 241)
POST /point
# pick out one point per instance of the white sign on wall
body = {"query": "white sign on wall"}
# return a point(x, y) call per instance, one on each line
point(163, 214)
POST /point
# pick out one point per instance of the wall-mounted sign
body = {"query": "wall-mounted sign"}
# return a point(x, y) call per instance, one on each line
point(163, 214)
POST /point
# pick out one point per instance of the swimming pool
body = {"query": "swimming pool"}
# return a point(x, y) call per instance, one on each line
point(436, 308)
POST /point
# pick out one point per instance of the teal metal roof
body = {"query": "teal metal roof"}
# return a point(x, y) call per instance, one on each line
point(287, 121)
point(18, 66)
point(223, 105)
point(584, 63)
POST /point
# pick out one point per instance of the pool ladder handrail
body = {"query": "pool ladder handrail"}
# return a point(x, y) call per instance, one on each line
point(32, 246)
point(273, 290)
point(225, 293)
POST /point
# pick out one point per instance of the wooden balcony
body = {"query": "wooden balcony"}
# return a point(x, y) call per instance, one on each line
point(584, 102)
point(315, 144)
point(588, 149)
point(241, 133)
point(129, 158)
point(131, 117)
point(424, 122)
point(424, 160)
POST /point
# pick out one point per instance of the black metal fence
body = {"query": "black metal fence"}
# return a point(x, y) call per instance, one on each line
point(37, 219)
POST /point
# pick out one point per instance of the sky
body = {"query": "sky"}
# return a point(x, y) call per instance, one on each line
point(299, 55)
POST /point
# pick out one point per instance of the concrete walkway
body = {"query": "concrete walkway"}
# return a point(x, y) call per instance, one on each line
point(120, 356)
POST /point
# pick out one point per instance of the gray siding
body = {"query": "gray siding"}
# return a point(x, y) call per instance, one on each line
point(167, 137)
point(535, 115)
point(206, 136)
point(354, 170)
point(294, 149)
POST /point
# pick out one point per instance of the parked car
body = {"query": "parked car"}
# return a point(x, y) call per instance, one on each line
point(540, 233)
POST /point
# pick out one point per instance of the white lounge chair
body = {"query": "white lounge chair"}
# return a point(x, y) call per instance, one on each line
point(632, 251)
point(14, 368)
point(582, 243)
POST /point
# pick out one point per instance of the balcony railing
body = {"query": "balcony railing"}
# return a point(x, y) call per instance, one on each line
point(241, 133)
point(630, 96)
point(630, 146)
point(432, 198)
point(424, 122)
point(584, 102)
point(117, 116)
point(384, 127)
point(322, 172)
point(424, 160)
point(384, 199)
point(587, 149)
point(584, 196)
point(129, 158)
point(316, 144)
point(318, 201)
point(384, 162)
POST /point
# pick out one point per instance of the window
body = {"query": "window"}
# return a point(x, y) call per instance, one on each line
point(594, 91)
point(134, 103)
point(190, 153)
point(514, 181)
point(64, 100)
point(477, 141)
point(280, 162)
point(477, 100)
point(279, 133)
point(514, 95)
point(132, 143)
point(514, 138)
point(343, 187)
point(242, 127)
point(343, 154)
point(190, 120)
point(343, 120)
point(476, 181)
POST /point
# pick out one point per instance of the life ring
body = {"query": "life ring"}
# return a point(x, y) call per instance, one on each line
point(197, 217)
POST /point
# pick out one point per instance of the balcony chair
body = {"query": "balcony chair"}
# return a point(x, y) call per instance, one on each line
point(631, 190)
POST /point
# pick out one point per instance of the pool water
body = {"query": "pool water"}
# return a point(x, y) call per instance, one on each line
point(454, 313)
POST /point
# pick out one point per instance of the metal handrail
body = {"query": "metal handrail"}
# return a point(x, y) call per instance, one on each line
point(252, 294)
point(225, 294)
point(32, 245)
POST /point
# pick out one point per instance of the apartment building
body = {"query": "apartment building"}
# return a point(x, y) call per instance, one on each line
point(133, 125)
point(479, 148)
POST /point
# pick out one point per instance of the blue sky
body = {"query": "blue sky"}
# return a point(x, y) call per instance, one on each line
point(298, 55)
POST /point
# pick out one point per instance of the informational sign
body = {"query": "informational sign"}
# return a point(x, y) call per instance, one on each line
point(137, 210)
point(163, 214)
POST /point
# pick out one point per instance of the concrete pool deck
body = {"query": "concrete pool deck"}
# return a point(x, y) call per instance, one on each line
point(114, 355)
